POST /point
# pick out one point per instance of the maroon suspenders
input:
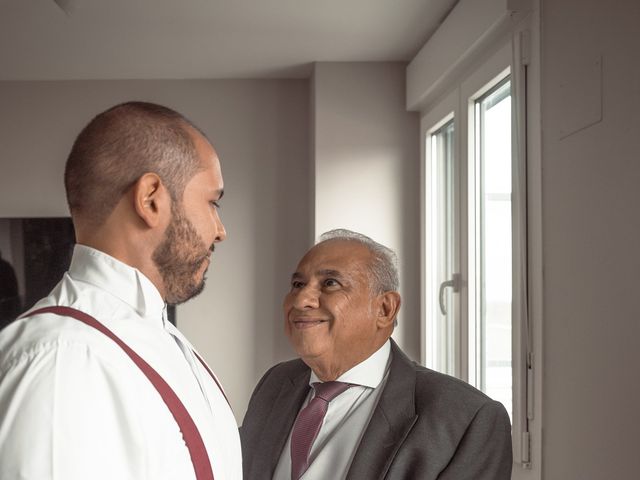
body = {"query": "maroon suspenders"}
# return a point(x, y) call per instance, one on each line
point(190, 433)
point(215, 379)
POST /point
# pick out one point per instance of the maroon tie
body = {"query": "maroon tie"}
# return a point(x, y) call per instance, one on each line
point(308, 424)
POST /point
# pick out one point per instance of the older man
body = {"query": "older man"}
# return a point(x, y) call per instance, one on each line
point(95, 383)
point(355, 406)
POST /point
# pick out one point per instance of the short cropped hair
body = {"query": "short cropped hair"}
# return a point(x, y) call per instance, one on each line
point(383, 267)
point(120, 145)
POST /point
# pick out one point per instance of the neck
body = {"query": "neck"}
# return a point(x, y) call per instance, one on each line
point(330, 369)
point(125, 248)
point(327, 374)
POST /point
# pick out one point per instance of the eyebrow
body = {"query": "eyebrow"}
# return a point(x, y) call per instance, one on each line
point(220, 193)
point(329, 273)
point(321, 273)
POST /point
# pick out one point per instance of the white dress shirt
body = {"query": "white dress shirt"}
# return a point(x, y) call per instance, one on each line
point(346, 419)
point(73, 405)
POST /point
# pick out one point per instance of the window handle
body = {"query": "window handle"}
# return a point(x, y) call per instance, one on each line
point(453, 283)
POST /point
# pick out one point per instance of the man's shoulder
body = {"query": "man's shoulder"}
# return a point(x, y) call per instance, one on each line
point(457, 430)
point(435, 391)
point(445, 387)
point(291, 372)
point(288, 375)
point(41, 334)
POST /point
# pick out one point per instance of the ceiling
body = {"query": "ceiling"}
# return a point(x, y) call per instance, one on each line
point(163, 39)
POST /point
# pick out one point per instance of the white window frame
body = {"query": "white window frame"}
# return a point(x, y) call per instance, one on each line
point(476, 85)
point(512, 51)
point(439, 116)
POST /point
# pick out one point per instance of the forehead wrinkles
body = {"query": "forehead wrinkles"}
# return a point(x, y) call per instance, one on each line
point(325, 272)
point(343, 267)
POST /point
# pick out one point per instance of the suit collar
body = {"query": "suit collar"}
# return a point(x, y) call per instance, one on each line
point(392, 419)
point(280, 422)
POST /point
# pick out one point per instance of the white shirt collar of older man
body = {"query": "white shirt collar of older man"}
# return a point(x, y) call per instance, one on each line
point(368, 373)
point(346, 419)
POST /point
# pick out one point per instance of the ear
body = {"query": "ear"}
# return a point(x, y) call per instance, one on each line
point(152, 201)
point(388, 306)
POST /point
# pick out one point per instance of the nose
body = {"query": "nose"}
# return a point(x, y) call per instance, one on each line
point(221, 232)
point(306, 298)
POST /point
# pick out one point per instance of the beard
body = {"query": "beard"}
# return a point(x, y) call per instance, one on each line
point(180, 258)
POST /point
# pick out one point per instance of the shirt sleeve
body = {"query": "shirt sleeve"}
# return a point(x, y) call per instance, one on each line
point(62, 416)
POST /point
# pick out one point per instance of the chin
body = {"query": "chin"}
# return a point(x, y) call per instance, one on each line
point(197, 289)
point(308, 349)
point(186, 294)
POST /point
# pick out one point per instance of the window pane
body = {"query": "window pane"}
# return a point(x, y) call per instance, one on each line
point(440, 255)
point(493, 244)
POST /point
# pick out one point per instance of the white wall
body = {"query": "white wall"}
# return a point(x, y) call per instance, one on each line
point(366, 155)
point(260, 130)
point(591, 226)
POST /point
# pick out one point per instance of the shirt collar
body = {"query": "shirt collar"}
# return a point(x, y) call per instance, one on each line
point(117, 278)
point(368, 373)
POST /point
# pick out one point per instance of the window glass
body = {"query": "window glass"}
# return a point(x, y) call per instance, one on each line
point(440, 266)
point(491, 358)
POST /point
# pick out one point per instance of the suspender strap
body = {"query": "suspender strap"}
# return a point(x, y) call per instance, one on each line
point(190, 433)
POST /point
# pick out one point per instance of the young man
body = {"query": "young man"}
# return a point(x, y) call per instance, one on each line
point(95, 383)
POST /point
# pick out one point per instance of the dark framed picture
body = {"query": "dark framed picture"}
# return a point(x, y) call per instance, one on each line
point(34, 254)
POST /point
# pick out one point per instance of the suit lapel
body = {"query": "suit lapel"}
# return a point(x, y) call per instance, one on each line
point(391, 422)
point(280, 421)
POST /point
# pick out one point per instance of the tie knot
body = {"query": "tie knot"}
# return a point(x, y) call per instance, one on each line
point(329, 390)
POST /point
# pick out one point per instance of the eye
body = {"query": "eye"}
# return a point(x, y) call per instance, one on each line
point(331, 282)
point(215, 205)
point(295, 284)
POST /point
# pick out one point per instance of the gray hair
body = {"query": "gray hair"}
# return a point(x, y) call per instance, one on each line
point(383, 268)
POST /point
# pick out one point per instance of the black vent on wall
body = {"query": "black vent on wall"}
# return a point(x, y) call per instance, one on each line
point(36, 254)
point(48, 246)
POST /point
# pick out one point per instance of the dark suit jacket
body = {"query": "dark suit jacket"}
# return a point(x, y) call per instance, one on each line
point(426, 426)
